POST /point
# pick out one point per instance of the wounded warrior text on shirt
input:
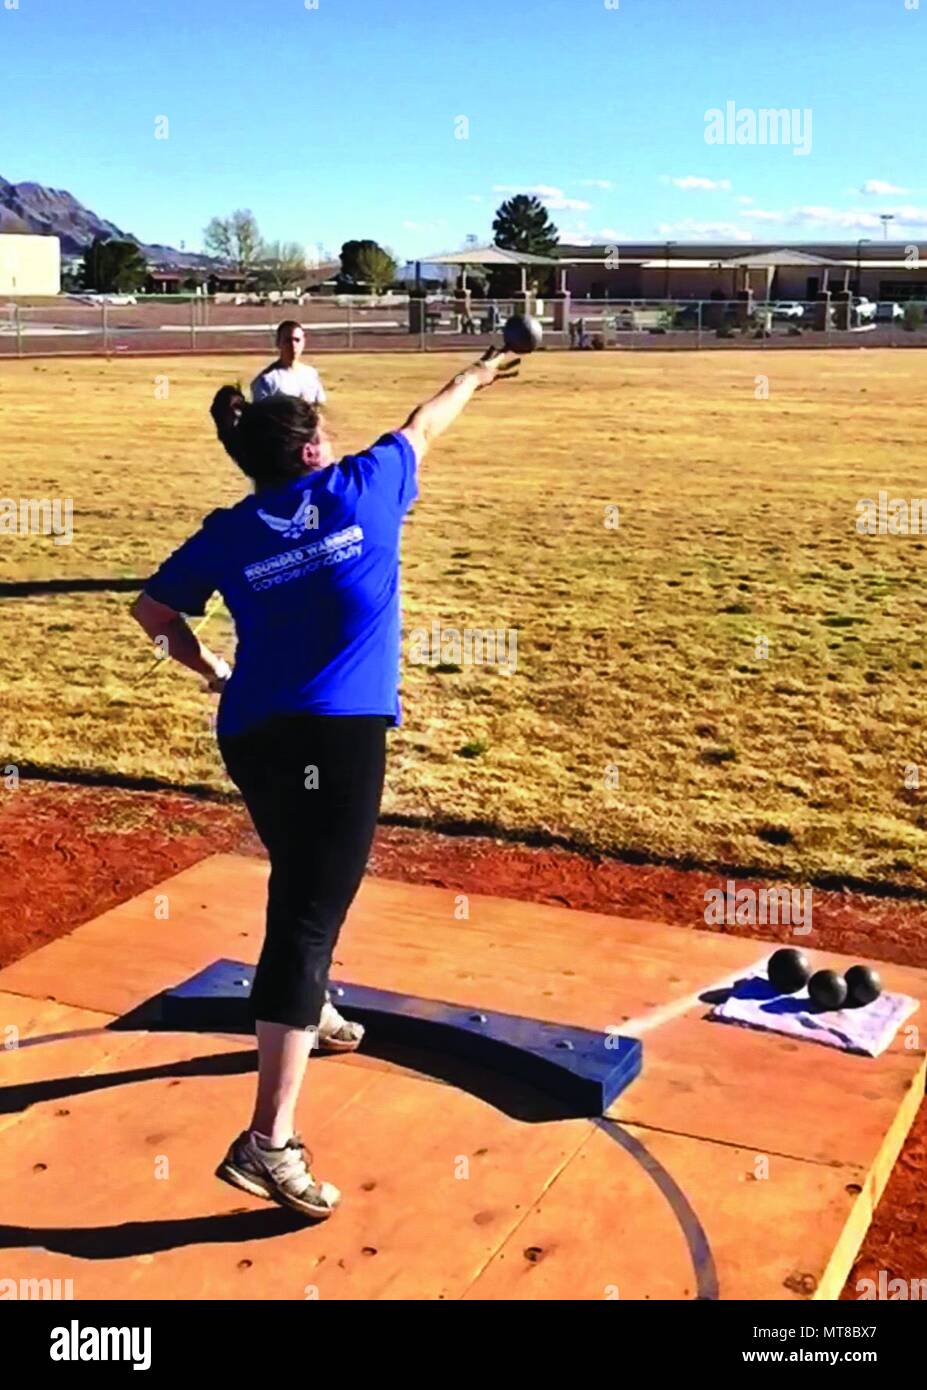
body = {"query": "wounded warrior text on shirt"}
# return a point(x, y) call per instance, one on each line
point(304, 559)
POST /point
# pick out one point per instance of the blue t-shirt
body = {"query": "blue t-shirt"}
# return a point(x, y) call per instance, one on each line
point(310, 573)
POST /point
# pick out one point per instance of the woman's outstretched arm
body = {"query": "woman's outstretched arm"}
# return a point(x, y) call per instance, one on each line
point(429, 420)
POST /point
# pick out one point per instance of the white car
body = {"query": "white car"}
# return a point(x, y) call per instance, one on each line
point(863, 308)
point(889, 312)
point(120, 300)
point(788, 309)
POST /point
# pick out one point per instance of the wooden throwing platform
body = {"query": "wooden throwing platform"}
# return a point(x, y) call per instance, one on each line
point(739, 1165)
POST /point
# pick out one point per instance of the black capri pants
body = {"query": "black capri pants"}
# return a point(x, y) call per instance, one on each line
point(312, 784)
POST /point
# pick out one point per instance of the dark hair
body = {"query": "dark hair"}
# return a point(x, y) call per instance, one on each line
point(266, 439)
point(282, 328)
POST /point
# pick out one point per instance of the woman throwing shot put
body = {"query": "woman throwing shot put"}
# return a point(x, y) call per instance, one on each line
point(309, 568)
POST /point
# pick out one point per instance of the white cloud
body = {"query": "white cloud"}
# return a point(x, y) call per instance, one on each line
point(848, 220)
point(552, 198)
point(540, 190)
point(816, 220)
point(596, 183)
point(910, 216)
point(742, 198)
point(692, 181)
point(812, 217)
point(579, 235)
point(474, 197)
point(709, 231)
point(880, 188)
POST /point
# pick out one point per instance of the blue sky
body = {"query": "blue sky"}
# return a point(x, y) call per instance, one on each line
point(343, 120)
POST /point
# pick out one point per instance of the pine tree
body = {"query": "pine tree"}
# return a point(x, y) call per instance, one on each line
point(523, 224)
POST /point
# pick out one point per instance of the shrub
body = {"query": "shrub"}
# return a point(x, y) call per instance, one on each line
point(473, 748)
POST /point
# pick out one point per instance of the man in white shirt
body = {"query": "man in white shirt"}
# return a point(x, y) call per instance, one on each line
point(288, 376)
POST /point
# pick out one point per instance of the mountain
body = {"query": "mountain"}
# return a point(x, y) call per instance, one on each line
point(32, 207)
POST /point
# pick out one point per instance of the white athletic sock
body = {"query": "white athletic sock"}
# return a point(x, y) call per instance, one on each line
point(264, 1141)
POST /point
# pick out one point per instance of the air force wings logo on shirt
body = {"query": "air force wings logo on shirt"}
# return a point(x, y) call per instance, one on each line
point(306, 519)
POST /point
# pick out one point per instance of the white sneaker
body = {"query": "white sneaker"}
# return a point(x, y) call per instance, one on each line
point(338, 1034)
point(284, 1175)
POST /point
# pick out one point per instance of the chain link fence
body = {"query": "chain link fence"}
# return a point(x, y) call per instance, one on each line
point(115, 324)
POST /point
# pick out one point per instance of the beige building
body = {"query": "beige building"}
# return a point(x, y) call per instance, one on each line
point(883, 271)
point(29, 265)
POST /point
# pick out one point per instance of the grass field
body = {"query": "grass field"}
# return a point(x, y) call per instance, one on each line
point(637, 646)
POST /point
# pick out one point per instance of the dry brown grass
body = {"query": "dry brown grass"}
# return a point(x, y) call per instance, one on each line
point(636, 646)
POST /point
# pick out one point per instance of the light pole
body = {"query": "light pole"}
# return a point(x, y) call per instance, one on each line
point(885, 218)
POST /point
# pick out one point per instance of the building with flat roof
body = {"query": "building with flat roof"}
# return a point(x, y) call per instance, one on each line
point(29, 265)
point(880, 270)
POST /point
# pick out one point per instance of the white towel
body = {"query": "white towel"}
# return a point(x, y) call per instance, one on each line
point(869, 1030)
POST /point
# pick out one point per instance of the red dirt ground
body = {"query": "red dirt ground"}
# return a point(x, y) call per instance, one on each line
point(68, 853)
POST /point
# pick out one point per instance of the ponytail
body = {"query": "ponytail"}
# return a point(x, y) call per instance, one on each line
point(227, 408)
point(266, 439)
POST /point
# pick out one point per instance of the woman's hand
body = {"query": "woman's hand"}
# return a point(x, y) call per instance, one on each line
point(495, 365)
point(219, 678)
